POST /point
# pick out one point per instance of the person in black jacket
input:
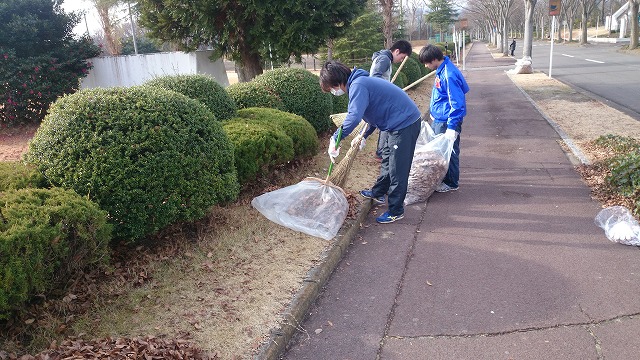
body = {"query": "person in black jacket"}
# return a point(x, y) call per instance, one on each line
point(512, 47)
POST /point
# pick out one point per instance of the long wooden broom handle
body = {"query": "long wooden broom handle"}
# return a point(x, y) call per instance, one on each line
point(400, 68)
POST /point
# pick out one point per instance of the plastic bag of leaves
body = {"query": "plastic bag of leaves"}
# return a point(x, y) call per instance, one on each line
point(619, 225)
point(429, 166)
point(312, 206)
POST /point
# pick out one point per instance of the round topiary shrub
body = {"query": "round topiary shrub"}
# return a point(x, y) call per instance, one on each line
point(17, 175)
point(47, 236)
point(411, 68)
point(258, 147)
point(251, 94)
point(303, 135)
point(148, 156)
point(202, 88)
point(300, 92)
point(423, 69)
point(401, 79)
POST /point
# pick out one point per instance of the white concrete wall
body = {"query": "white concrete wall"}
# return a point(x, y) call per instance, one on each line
point(129, 70)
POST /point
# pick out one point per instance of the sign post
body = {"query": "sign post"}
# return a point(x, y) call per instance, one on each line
point(554, 10)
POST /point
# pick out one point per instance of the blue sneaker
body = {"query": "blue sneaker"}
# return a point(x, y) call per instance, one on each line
point(388, 218)
point(369, 195)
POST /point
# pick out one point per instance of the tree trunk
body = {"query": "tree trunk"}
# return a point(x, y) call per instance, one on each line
point(633, 5)
point(329, 49)
point(583, 26)
point(529, 6)
point(387, 17)
point(250, 66)
point(111, 44)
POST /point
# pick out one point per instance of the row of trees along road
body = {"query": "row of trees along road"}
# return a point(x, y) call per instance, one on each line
point(495, 18)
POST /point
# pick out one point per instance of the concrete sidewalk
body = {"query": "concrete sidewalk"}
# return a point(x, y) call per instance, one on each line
point(510, 266)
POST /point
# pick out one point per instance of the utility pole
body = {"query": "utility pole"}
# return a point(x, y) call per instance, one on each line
point(133, 29)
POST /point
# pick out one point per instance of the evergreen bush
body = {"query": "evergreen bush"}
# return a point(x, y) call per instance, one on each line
point(40, 60)
point(401, 79)
point(303, 135)
point(300, 92)
point(258, 147)
point(411, 68)
point(251, 94)
point(148, 156)
point(46, 237)
point(17, 175)
point(202, 88)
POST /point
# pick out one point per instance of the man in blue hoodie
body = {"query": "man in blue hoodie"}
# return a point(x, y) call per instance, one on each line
point(381, 67)
point(383, 106)
point(448, 107)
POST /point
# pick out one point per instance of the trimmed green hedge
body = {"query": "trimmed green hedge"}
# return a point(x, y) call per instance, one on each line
point(258, 146)
point(423, 69)
point(46, 236)
point(303, 135)
point(149, 157)
point(251, 94)
point(16, 175)
point(401, 79)
point(202, 88)
point(411, 68)
point(300, 92)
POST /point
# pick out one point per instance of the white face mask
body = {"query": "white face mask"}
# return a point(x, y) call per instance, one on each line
point(337, 92)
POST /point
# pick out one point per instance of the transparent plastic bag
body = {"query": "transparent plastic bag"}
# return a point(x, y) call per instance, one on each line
point(619, 225)
point(429, 166)
point(310, 206)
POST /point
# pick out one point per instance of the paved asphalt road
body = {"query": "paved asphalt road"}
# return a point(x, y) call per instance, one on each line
point(597, 68)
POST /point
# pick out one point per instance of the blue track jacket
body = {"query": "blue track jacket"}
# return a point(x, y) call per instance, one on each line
point(380, 103)
point(448, 103)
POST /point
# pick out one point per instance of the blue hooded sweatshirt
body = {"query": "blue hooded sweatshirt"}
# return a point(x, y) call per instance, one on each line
point(380, 103)
point(448, 101)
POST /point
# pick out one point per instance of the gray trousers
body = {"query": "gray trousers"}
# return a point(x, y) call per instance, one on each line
point(397, 155)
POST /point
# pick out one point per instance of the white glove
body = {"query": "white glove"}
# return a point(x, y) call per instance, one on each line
point(333, 151)
point(451, 134)
point(622, 231)
point(362, 142)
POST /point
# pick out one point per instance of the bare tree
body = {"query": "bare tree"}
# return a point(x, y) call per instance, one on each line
point(569, 11)
point(106, 10)
point(587, 7)
point(387, 17)
point(529, 6)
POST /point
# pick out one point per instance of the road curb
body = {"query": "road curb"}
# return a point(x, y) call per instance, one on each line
point(313, 283)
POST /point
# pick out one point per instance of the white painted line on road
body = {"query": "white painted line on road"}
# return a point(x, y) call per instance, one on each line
point(567, 55)
point(595, 61)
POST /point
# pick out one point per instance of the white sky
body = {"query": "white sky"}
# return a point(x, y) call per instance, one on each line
point(92, 22)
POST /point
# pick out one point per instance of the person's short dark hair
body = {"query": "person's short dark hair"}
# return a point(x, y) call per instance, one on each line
point(403, 45)
point(430, 53)
point(332, 74)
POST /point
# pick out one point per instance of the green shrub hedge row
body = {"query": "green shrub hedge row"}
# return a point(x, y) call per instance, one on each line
point(46, 236)
point(251, 94)
point(16, 175)
point(148, 156)
point(264, 138)
point(202, 88)
point(300, 92)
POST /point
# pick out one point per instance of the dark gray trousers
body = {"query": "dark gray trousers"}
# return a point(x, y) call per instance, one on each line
point(397, 156)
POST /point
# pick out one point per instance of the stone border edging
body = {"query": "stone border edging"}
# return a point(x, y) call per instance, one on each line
point(312, 285)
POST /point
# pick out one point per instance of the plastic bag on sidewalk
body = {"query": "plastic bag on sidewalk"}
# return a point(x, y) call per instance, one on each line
point(310, 206)
point(619, 225)
point(429, 166)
